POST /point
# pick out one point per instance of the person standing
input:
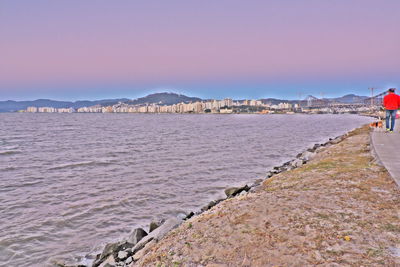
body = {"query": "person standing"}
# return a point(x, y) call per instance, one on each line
point(391, 102)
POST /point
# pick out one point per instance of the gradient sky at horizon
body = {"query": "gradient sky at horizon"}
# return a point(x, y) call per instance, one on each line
point(74, 49)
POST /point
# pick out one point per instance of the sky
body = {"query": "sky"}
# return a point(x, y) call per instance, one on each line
point(96, 49)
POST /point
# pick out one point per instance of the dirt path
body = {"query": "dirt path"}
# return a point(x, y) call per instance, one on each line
point(340, 209)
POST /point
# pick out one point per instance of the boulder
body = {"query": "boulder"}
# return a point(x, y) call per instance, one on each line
point(276, 171)
point(257, 182)
point(128, 260)
point(158, 233)
point(243, 193)
point(109, 261)
point(190, 215)
point(297, 163)
point(155, 224)
point(316, 146)
point(111, 249)
point(181, 215)
point(268, 174)
point(122, 255)
point(336, 141)
point(308, 155)
point(208, 206)
point(233, 191)
point(136, 235)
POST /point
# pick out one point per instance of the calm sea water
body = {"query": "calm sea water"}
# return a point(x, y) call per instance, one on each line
point(71, 182)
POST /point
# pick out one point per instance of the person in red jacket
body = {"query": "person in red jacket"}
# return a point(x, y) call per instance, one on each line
point(391, 102)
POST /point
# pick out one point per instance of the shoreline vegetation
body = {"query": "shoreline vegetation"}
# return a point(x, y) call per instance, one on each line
point(332, 205)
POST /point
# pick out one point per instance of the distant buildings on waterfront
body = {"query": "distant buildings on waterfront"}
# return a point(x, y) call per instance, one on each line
point(224, 106)
point(49, 110)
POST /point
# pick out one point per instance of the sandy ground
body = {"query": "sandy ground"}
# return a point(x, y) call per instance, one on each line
point(340, 209)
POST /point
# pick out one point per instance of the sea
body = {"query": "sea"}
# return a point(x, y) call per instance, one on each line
point(70, 183)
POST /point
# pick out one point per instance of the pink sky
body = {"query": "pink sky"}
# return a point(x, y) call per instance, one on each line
point(74, 44)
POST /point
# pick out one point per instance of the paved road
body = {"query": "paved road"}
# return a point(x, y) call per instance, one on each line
point(387, 149)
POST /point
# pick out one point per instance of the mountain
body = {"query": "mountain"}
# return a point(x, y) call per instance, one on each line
point(346, 99)
point(276, 101)
point(157, 98)
point(164, 99)
point(350, 98)
point(11, 106)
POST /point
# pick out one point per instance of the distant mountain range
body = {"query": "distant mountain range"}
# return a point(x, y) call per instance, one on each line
point(163, 99)
point(10, 105)
point(346, 99)
point(158, 98)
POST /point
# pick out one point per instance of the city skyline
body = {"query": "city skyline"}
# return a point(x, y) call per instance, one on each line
point(73, 50)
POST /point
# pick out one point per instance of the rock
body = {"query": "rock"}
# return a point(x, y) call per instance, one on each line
point(286, 164)
point(290, 168)
point(316, 146)
point(209, 206)
point(336, 140)
point(181, 215)
point(233, 191)
point(136, 235)
point(276, 171)
point(308, 155)
point(258, 181)
point(110, 261)
point(190, 215)
point(158, 233)
point(111, 249)
point(155, 224)
point(297, 163)
point(122, 255)
point(128, 260)
point(243, 193)
point(268, 174)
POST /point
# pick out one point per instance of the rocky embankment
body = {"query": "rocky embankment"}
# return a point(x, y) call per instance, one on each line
point(332, 205)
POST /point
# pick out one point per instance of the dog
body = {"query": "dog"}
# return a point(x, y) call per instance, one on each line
point(377, 126)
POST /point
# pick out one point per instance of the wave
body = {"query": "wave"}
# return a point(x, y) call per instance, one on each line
point(81, 164)
point(9, 152)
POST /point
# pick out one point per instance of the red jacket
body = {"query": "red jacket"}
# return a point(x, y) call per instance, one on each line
point(391, 101)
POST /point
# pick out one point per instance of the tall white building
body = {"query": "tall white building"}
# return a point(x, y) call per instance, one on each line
point(32, 109)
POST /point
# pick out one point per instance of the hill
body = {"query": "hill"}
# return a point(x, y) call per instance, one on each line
point(11, 105)
point(157, 98)
point(164, 99)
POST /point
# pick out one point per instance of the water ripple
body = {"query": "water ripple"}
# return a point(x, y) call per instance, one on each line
point(72, 182)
